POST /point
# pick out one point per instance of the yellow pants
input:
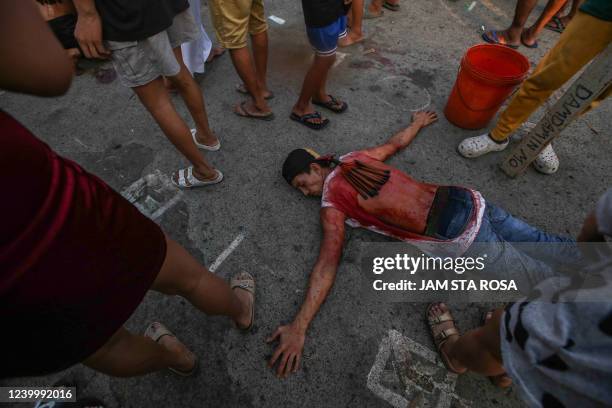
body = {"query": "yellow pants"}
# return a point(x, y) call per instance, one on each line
point(583, 38)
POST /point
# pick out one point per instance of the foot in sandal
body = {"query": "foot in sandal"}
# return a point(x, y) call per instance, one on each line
point(186, 361)
point(247, 109)
point(191, 177)
point(243, 286)
point(501, 380)
point(444, 333)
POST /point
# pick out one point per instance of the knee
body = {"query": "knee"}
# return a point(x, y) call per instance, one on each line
point(182, 80)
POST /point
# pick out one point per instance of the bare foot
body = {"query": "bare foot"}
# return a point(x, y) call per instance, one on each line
point(214, 53)
point(351, 38)
point(528, 38)
point(435, 311)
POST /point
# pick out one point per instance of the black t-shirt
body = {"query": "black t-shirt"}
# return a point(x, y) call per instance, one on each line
point(132, 20)
point(320, 13)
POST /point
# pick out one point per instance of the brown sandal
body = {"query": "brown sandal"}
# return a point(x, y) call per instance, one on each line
point(155, 331)
point(246, 282)
point(442, 337)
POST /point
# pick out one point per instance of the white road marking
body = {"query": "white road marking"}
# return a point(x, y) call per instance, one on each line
point(494, 9)
point(277, 20)
point(409, 359)
point(452, 13)
point(227, 252)
point(136, 194)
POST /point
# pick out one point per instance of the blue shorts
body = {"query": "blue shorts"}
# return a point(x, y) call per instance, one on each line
point(324, 40)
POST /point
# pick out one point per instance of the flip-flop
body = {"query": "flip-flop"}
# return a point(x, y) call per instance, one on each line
point(332, 105)
point(246, 282)
point(368, 15)
point(532, 46)
point(304, 120)
point(245, 114)
point(240, 88)
point(495, 379)
point(391, 6)
point(186, 175)
point(199, 145)
point(443, 336)
point(155, 331)
point(494, 39)
point(555, 25)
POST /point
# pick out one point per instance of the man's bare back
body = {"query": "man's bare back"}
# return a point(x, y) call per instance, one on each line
point(402, 202)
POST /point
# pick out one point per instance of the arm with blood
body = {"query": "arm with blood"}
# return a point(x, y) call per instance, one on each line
point(324, 272)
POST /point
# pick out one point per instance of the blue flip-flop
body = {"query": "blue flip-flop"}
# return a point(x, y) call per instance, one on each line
point(494, 39)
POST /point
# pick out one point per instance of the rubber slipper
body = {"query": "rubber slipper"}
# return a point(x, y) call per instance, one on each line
point(555, 25)
point(199, 145)
point(246, 282)
point(245, 114)
point(494, 39)
point(391, 6)
point(186, 175)
point(532, 46)
point(240, 88)
point(155, 331)
point(332, 105)
point(304, 120)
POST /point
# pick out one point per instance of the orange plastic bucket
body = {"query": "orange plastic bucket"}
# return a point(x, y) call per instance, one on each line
point(488, 74)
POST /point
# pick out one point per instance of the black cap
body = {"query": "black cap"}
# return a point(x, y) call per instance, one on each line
point(298, 161)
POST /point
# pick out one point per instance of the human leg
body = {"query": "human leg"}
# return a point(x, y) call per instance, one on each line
point(194, 99)
point(313, 83)
point(126, 355)
point(155, 98)
point(183, 275)
point(512, 35)
point(355, 34)
point(529, 36)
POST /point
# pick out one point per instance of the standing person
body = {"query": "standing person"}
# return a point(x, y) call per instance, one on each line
point(198, 52)
point(234, 21)
point(516, 34)
point(585, 37)
point(325, 25)
point(143, 39)
point(355, 24)
point(76, 258)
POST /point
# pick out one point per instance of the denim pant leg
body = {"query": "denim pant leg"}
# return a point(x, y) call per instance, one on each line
point(505, 261)
point(557, 250)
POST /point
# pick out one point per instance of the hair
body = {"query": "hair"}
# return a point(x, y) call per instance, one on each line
point(45, 2)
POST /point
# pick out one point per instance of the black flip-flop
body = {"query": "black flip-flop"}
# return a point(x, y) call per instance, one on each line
point(494, 39)
point(558, 26)
point(332, 104)
point(532, 46)
point(391, 6)
point(304, 120)
point(245, 114)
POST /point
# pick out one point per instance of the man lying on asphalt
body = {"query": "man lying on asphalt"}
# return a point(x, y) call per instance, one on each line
point(361, 190)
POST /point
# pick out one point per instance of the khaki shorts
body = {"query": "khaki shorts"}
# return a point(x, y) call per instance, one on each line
point(139, 62)
point(235, 19)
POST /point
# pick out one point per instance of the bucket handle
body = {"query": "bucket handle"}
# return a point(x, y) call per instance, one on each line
point(484, 109)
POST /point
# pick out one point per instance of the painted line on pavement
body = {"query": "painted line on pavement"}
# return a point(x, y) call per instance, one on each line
point(227, 252)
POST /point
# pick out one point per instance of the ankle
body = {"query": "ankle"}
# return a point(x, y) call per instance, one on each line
point(500, 142)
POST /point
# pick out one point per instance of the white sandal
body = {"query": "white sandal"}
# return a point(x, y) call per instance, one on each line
point(186, 176)
point(547, 161)
point(212, 148)
point(479, 145)
point(155, 331)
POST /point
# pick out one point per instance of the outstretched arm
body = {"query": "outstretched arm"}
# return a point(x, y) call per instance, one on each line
point(403, 138)
point(292, 336)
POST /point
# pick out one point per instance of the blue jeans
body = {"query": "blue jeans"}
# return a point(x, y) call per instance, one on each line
point(515, 249)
